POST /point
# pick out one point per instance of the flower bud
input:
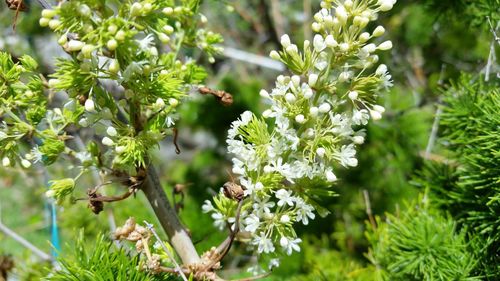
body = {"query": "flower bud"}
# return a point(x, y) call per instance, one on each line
point(313, 79)
point(168, 11)
point(353, 95)
point(75, 45)
point(319, 43)
point(313, 111)
point(114, 66)
point(168, 29)
point(381, 70)
point(385, 5)
point(363, 37)
point(379, 31)
point(341, 14)
point(325, 107)
point(62, 40)
point(384, 46)
point(107, 141)
point(54, 82)
point(316, 27)
point(379, 108)
point(136, 9)
point(83, 122)
point(44, 22)
point(147, 7)
point(320, 151)
point(358, 139)
point(87, 50)
point(375, 115)
point(267, 113)
point(89, 105)
point(120, 35)
point(50, 193)
point(285, 40)
point(263, 93)
point(173, 102)
point(112, 29)
point(285, 219)
point(344, 47)
point(308, 93)
point(300, 119)
point(296, 81)
point(275, 55)
point(164, 38)
point(330, 176)
point(48, 13)
point(160, 103)
point(292, 49)
point(25, 163)
point(112, 44)
point(120, 149)
point(330, 41)
point(290, 98)
point(6, 162)
point(111, 131)
point(53, 24)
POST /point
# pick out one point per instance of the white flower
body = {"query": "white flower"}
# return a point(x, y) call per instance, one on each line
point(263, 205)
point(207, 206)
point(304, 212)
point(284, 197)
point(379, 108)
point(360, 117)
point(252, 223)
point(319, 43)
point(219, 221)
point(347, 156)
point(264, 244)
point(290, 244)
point(274, 263)
point(263, 93)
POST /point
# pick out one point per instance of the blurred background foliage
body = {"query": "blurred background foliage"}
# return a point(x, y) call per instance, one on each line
point(416, 208)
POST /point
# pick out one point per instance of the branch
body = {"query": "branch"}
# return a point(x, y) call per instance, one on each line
point(167, 216)
point(224, 98)
point(44, 256)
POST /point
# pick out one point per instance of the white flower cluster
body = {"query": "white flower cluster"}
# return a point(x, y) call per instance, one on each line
point(317, 117)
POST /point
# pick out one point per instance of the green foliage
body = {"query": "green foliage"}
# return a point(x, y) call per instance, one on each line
point(467, 183)
point(474, 12)
point(420, 244)
point(102, 262)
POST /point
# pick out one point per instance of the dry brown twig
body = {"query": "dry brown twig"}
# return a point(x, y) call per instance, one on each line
point(225, 98)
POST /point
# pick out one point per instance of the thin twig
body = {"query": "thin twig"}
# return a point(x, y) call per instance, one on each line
point(170, 255)
point(369, 209)
point(44, 256)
